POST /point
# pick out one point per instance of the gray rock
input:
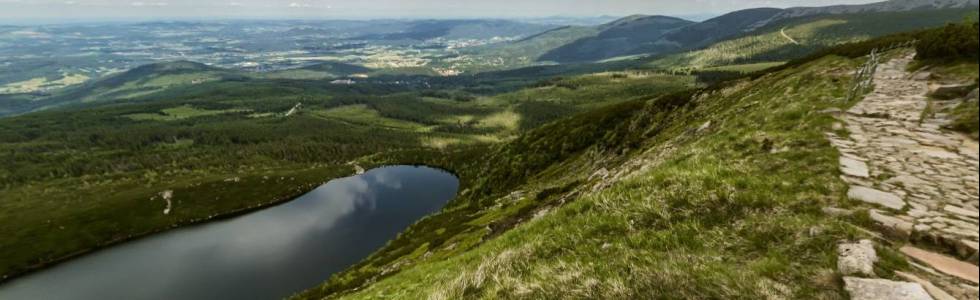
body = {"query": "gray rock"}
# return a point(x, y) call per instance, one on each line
point(902, 226)
point(933, 290)
point(874, 196)
point(856, 258)
point(906, 181)
point(881, 289)
point(945, 264)
point(921, 76)
point(853, 167)
point(962, 211)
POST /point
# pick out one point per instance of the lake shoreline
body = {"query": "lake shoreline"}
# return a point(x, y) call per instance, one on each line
point(6, 278)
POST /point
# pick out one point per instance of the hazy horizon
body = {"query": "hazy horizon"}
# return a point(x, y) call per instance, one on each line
point(64, 11)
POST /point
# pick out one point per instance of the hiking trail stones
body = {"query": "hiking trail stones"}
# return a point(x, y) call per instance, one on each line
point(920, 182)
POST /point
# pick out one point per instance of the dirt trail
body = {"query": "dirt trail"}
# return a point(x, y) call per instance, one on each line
point(783, 33)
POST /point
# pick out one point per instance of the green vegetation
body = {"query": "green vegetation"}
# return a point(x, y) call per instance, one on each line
point(180, 113)
point(578, 181)
point(951, 54)
point(966, 119)
point(621, 200)
point(952, 42)
point(710, 194)
point(957, 71)
point(745, 68)
point(798, 37)
point(85, 176)
point(42, 83)
point(628, 36)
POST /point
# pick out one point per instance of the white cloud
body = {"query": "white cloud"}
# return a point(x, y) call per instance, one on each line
point(140, 4)
point(76, 9)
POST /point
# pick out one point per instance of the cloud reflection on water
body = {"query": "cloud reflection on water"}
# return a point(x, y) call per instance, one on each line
point(266, 254)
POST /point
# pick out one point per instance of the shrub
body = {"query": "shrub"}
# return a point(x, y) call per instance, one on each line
point(955, 41)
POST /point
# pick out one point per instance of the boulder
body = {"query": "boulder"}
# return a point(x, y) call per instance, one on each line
point(856, 258)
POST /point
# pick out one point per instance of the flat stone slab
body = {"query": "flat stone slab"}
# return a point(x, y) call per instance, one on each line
point(945, 264)
point(908, 181)
point(853, 167)
point(961, 211)
point(856, 258)
point(933, 290)
point(873, 196)
point(901, 226)
point(881, 289)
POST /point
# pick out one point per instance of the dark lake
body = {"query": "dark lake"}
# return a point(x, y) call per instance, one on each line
point(267, 254)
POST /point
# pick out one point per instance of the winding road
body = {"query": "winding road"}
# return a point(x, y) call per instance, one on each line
point(782, 32)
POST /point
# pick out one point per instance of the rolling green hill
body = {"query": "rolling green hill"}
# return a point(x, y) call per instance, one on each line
point(627, 36)
point(646, 35)
point(721, 27)
point(139, 81)
point(785, 40)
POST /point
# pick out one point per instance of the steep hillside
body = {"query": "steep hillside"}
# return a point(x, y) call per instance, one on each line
point(631, 35)
point(707, 195)
point(719, 28)
point(728, 192)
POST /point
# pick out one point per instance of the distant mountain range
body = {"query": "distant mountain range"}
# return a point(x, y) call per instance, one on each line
point(630, 35)
point(660, 34)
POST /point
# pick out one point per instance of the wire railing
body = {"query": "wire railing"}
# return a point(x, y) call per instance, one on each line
point(864, 76)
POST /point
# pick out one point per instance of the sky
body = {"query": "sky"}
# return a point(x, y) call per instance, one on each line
point(72, 10)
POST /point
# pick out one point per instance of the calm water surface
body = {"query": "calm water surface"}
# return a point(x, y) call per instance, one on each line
point(268, 254)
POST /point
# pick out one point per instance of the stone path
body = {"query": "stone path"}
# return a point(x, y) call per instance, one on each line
point(922, 180)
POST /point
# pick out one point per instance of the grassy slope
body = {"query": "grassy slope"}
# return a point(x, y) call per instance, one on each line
point(731, 211)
